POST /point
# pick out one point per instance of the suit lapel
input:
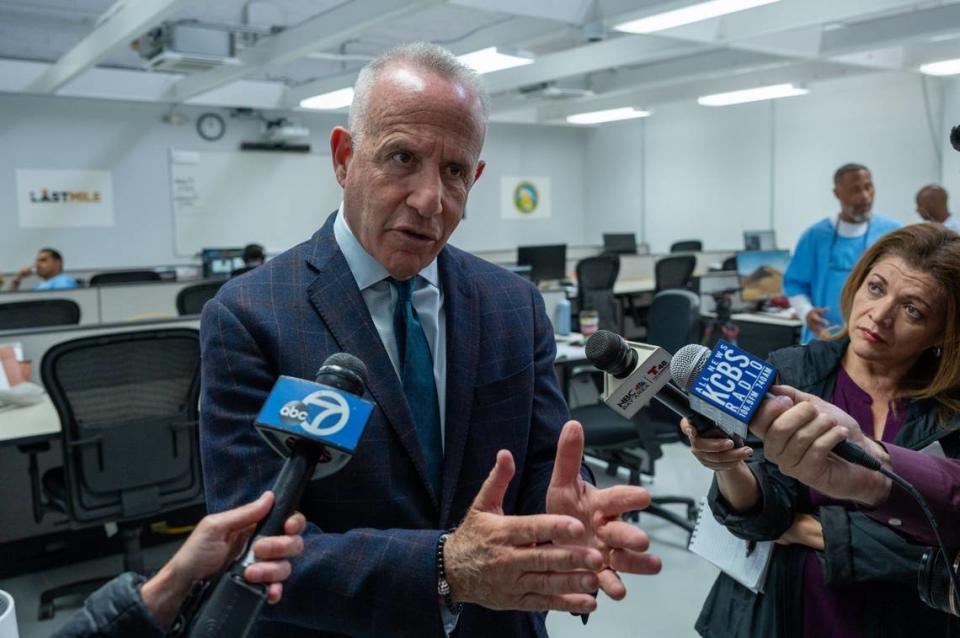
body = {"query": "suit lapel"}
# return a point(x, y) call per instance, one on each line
point(463, 342)
point(337, 299)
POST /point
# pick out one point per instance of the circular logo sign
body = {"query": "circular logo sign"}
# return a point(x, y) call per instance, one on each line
point(332, 416)
point(525, 197)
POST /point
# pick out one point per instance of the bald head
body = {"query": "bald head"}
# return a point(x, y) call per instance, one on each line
point(932, 203)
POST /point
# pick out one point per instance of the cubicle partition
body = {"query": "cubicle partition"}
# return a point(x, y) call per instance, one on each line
point(87, 298)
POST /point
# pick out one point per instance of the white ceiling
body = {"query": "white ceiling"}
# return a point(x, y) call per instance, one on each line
point(81, 47)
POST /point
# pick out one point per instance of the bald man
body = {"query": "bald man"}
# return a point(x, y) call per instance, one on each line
point(932, 206)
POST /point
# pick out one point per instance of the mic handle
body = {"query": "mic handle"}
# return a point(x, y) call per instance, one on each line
point(676, 400)
point(233, 604)
point(848, 451)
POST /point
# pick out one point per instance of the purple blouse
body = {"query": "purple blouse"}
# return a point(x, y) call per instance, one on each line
point(840, 612)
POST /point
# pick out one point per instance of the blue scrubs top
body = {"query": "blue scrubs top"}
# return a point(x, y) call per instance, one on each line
point(59, 282)
point(823, 260)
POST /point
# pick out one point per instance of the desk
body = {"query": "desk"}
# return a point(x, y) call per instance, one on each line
point(634, 286)
point(762, 333)
point(31, 424)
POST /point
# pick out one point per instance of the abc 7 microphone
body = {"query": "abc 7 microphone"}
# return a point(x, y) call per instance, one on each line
point(312, 449)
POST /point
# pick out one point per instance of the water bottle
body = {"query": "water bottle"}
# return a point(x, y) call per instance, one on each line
point(562, 317)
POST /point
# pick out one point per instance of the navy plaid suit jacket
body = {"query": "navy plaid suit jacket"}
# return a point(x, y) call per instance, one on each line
point(369, 566)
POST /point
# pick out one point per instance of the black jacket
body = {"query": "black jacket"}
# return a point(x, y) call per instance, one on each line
point(114, 610)
point(858, 551)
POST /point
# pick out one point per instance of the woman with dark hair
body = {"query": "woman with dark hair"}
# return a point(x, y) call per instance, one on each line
point(896, 370)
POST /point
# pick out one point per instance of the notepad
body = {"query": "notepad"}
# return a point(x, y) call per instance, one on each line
point(717, 544)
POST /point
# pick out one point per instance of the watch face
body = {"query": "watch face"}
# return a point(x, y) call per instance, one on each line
point(210, 126)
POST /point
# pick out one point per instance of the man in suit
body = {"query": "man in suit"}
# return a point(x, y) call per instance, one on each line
point(460, 367)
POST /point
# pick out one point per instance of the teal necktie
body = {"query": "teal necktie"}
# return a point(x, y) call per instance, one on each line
point(416, 374)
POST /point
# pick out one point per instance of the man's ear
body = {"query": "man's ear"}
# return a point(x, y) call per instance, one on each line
point(341, 151)
point(480, 166)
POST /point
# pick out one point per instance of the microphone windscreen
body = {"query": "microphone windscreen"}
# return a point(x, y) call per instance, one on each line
point(604, 348)
point(687, 364)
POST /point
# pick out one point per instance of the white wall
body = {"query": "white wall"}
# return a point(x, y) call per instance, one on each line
point(710, 173)
point(130, 140)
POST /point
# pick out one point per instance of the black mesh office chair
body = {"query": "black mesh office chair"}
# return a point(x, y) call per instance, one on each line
point(595, 279)
point(190, 299)
point(730, 263)
point(635, 444)
point(128, 410)
point(40, 313)
point(674, 272)
point(686, 246)
point(124, 277)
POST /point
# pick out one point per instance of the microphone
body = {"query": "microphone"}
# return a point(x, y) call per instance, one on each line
point(727, 386)
point(636, 373)
point(316, 427)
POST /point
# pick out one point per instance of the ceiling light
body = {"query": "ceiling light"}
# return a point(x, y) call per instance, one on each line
point(489, 60)
point(751, 95)
point(688, 15)
point(329, 101)
point(945, 67)
point(609, 115)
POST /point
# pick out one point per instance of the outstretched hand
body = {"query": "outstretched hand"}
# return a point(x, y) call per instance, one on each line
point(532, 563)
point(622, 545)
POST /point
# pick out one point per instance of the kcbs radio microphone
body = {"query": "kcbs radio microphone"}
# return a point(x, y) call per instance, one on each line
point(316, 426)
point(637, 373)
point(727, 384)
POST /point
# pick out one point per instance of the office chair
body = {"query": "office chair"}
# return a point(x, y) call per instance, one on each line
point(686, 246)
point(675, 271)
point(128, 411)
point(730, 263)
point(40, 313)
point(595, 279)
point(190, 299)
point(124, 277)
point(635, 444)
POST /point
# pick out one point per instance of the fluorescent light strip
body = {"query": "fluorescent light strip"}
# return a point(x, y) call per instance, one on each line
point(329, 101)
point(688, 15)
point(609, 115)
point(489, 60)
point(945, 67)
point(752, 95)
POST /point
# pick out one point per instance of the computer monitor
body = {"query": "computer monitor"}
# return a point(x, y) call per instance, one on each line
point(761, 273)
point(620, 243)
point(759, 240)
point(220, 262)
point(546, 262)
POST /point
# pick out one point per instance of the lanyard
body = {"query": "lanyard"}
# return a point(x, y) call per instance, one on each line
point(833, 244)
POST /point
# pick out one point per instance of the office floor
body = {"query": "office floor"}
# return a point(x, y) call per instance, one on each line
point(663, 605)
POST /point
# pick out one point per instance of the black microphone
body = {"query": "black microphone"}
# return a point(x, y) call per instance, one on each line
point(316, 426)
point(690, 361)
point(638, 374)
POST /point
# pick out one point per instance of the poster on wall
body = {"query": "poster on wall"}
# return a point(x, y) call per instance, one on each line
point(64, 198)
point(525, 197)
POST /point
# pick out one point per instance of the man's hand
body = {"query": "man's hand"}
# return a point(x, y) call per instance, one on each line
point(217, 540)
point(800, 441)
point(816, 322)
point(806, 530)
point(508, 562)
point(622, 545)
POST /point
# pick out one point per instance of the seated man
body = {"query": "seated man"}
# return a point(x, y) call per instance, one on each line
point(49, 267)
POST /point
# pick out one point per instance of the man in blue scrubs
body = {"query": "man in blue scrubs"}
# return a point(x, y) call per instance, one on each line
point(49, 267)
point(828, 250)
